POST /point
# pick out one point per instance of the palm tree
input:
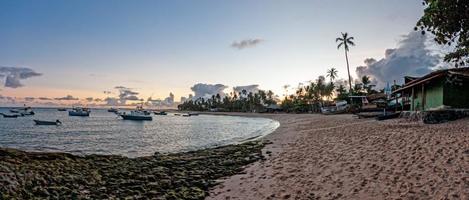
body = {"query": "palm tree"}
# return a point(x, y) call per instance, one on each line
point(332, 73)
point(346, 41)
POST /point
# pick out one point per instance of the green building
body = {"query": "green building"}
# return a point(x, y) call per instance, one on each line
point(442, 89)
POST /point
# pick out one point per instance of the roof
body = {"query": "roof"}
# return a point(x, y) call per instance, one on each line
point(376, 96)
point(464, 71)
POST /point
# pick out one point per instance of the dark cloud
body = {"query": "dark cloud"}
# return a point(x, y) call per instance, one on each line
point(202, 90)
point(246, 43)
point(14, 75)
point(125, 94)
point(410, 58)
point(29, 98)
point(44, 98)
point(67, 98)
point(89, 99)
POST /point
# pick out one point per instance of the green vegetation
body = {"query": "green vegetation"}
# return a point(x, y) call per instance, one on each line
point(449, 21)
point(234, 102)
point(346, 42)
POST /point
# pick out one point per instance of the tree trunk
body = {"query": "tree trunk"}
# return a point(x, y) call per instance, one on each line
point(348, 70)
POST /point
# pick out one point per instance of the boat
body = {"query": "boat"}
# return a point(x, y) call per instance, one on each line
point(186, 115)
point(113, 110)
point(388, 116)
point(23, 111)
point(338, 108)
point(138, 115)
point(10, 116)
point(61, 109)
point(161, 113)
point(78, 111)
point(194, 114)
point(40, 122)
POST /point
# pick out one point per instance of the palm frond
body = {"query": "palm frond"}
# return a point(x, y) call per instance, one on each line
point(340, 44)
point(339, 39)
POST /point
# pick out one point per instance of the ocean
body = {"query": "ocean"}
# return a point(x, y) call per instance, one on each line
point(105, 133)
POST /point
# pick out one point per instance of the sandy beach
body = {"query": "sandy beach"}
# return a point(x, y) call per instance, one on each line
point(341, 157)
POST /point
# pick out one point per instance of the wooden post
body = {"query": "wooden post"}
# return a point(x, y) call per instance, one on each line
point(413, 97)
point(423, 97)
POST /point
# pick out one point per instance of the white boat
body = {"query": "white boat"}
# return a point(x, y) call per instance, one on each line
point(138, 114)
point(78, 111)
point(337, 108)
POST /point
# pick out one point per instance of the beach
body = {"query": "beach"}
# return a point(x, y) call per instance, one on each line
point(340, 157)
point(310, 156)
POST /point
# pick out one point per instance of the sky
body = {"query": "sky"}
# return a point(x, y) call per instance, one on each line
point(83, 48)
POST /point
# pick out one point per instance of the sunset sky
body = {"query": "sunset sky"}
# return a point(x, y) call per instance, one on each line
point(83, 48)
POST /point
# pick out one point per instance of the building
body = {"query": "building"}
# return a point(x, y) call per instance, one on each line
point(442, 89)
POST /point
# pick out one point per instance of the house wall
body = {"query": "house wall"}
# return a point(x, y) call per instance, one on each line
point(457, 96)
point(433, 95)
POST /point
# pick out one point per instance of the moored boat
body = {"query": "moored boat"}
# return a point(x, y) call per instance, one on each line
point(61, 109)
point(23, 111)
point(40, 122)
point(78, 111)
point(113, 110)
point(9, 116)
point(161, 113)
point(138, 115)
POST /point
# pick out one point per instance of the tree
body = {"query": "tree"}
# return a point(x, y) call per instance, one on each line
point(346, 42)
point(332, 74)
point(449, 21)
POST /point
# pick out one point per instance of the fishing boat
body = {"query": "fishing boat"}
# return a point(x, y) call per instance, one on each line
point(113, 110)
point(337, 108)
point(9, 116)
point(138, 115)
point(23, 111)
point(40, 122)
point(78, 111)
point(61, 109)
point(161, 113)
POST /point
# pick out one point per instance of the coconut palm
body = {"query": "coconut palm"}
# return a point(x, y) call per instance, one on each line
point(332, 73)
point(346, 41)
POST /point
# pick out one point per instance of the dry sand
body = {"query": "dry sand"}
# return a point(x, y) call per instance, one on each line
point(341, 157)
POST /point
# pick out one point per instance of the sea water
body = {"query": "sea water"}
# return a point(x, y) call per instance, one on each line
point(106, 133)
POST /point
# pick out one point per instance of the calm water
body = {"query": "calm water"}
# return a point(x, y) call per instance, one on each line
point(105, 133)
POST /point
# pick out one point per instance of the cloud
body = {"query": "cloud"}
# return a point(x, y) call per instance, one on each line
point(44, 98)
point(202, 90)
point(125, 94)
point(248, 43)
point(248, 88)
point(111, 101)
point(67, 98)
point(29, 98)
point(89, 99)
point(14, 75)
point(410, 58)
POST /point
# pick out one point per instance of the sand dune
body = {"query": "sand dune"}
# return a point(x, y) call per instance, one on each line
point(340, 157)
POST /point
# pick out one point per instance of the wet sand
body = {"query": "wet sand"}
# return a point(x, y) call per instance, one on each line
point(341, 157)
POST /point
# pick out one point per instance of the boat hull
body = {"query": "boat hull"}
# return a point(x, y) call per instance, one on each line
point(137, 118)
point(79, 114)
point(39, 122)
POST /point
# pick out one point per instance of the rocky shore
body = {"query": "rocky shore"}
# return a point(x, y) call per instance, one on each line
point(27, 175)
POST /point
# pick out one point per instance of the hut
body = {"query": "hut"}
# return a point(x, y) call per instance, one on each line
point(441, 89)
